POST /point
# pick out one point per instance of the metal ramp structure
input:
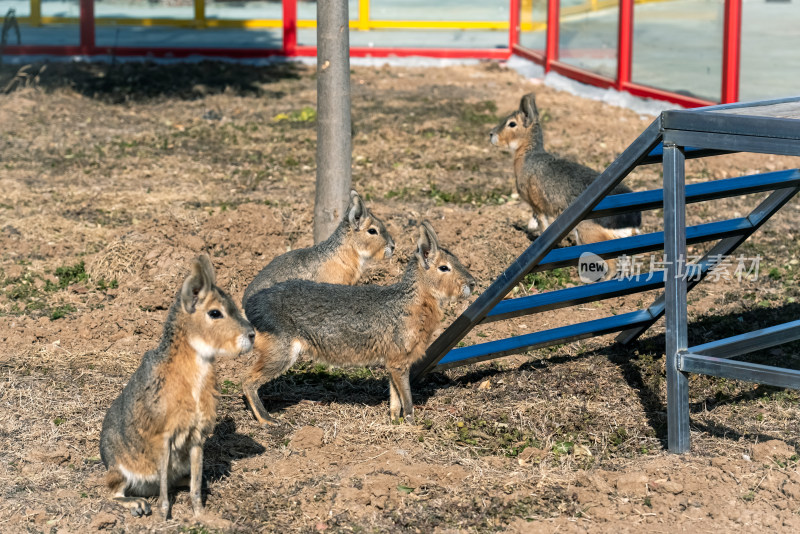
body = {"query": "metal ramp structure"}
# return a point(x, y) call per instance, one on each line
point(771, 127)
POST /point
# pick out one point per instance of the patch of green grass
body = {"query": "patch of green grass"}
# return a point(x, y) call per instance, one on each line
point(750, 496)
point(478, 198)
point(328, 375)
point(59, 421)
point(480, 113)
point(71, 274)
point(62, 311)
point(547, 280)
point(561, 448)
point(229, 387)
point(401, 193)
point(307, 114)
point(618, 437)
point(102, 285)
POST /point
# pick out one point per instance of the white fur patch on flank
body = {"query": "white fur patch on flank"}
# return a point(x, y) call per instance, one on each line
point(624, 232)
point(136, 481)
point(297, 350)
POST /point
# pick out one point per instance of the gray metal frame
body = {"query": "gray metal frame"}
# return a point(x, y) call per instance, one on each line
point(671, 139)
point(750, 129)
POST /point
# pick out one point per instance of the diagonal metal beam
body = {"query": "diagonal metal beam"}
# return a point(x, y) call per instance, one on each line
point(534, 254)
point(751, 341)
point(749, 372)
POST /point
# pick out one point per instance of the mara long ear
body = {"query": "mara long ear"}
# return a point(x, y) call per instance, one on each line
point(198, 284)
point(528, 107)
point(427, 244)
point(357, 211)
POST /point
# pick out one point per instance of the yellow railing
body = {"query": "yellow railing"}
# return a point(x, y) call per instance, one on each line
point(363, 22)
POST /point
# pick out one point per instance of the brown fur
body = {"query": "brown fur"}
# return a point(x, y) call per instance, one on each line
point(345, 266)
point(153, 434)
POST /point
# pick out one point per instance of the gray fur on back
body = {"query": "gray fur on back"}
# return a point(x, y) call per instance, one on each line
point(552, 172)
point(336, 321)
point(298, 264)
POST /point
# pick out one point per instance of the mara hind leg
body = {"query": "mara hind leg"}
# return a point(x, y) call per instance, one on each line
point(400, 380)
point(271, 361)
point(117, 483)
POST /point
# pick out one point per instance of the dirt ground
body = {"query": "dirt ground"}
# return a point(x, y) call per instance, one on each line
point(115, 176)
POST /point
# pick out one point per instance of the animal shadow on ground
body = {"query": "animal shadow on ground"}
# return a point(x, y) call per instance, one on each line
point(224, 446)
point(639, 373)
point(307, 381)
point(139, 81)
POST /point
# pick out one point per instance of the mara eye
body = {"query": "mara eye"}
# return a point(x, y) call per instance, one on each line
point(215, 314)
point(372, 231)
point(512, 124)
point(444, 268)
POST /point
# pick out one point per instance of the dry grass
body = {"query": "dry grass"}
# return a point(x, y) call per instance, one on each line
point(130, 171)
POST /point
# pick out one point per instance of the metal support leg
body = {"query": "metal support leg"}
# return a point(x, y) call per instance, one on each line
point(675, 282)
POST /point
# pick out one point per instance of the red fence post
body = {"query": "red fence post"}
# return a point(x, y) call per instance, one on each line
point(289, 27)
point(551, 50)
point(731, 51)
point(87, 26)
point(625, 43)
point(513, 25)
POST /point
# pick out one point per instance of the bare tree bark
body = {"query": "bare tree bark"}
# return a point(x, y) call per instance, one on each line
point(334, 143)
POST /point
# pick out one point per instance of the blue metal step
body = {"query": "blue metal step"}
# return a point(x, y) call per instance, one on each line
point(567, 256)
point(546, 338)
point(741, 185)
point(552, 300)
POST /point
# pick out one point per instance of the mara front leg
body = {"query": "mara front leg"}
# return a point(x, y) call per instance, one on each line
point(196, 481)
point(163, 472)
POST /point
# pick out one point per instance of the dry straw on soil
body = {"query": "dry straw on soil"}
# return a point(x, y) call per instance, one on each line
point(114, 177)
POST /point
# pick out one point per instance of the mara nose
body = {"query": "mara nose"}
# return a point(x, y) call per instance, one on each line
point(251, 335)
point(472, 283)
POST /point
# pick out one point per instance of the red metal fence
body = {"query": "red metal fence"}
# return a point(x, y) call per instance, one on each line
point(549, 57)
